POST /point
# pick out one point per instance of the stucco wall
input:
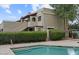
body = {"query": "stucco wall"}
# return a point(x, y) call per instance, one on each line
point(40, 23)
point(51, 20)
point(1, 26)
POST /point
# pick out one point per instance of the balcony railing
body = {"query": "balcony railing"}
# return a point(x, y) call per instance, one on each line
point(31, 24)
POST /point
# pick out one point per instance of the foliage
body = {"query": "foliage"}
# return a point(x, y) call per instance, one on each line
point(74, 26)
point(22, 37)
point(56, 35)
point(65, 11)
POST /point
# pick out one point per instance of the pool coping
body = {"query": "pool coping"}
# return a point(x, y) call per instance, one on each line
point(6, 49)
point(43, 45)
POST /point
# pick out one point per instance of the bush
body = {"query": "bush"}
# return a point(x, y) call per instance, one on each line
point(22, 37)
point(56, 34)
point(75, 35)
point(5, 38)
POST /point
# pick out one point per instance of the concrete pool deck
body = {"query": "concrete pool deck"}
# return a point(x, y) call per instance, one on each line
point(5, 49)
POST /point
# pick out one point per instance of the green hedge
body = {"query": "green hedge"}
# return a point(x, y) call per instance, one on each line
point(56, 34)
point(22, 37)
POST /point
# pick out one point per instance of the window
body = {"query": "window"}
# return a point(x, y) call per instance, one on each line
point(28, 19)
point(33, 19)
point(39, 18)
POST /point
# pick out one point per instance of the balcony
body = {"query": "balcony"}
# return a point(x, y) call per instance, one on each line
point(32, 24)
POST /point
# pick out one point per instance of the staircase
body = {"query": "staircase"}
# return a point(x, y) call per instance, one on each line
point(14, 26)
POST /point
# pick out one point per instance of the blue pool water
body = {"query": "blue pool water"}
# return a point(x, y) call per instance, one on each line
point(46, 50)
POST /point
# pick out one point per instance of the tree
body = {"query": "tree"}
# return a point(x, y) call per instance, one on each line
point(65, 12)
point(74, 26)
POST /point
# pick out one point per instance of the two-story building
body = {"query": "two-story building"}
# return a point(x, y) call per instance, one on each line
point(38, 21)
point(43, 19)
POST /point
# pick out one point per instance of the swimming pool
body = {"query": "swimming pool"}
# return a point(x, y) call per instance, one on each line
point(46, 50)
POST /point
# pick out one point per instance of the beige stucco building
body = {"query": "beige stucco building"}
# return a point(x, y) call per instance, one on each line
point(41, 20)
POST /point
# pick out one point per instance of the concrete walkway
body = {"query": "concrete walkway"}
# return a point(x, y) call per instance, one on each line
point(5, 49)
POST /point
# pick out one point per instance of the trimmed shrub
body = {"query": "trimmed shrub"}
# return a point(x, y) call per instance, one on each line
point(29, 37)
point(56, 34)
point(5, 38)
point(22, 37)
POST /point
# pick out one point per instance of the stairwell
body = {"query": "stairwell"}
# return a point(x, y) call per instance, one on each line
point(14, 26)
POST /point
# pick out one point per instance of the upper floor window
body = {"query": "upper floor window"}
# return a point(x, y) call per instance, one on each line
point(39, 18)
point(34, 19)
point(28, 19)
